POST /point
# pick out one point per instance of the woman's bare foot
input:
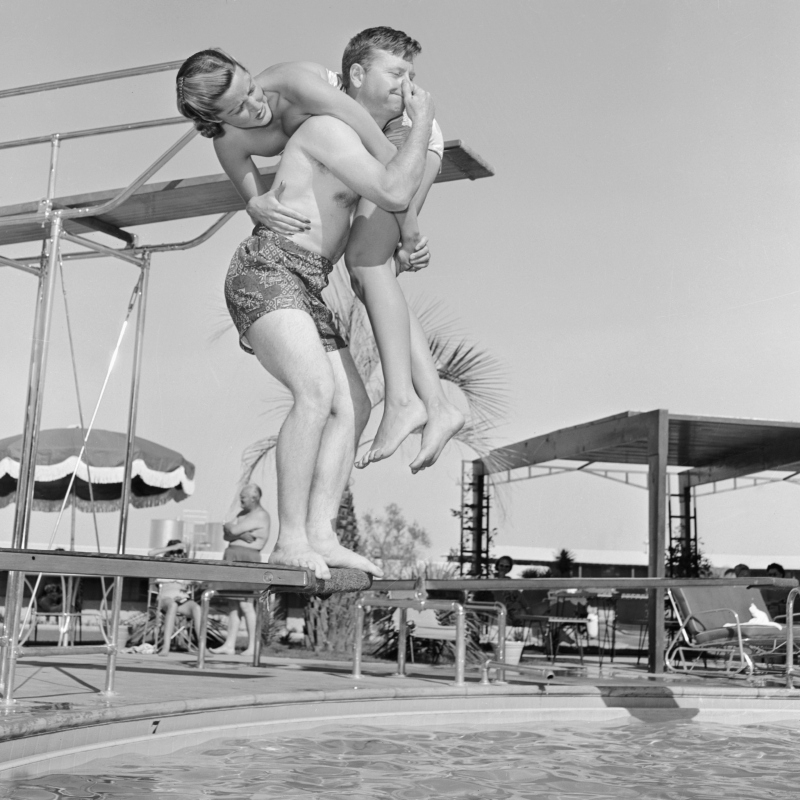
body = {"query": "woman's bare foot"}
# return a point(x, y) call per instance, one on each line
point(222, 650)
point(444, 422)
point(327, 545)
point(248, 652)
point(397, 423)
point(299, 554)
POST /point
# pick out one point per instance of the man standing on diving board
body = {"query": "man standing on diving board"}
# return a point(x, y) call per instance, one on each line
point(273, 291)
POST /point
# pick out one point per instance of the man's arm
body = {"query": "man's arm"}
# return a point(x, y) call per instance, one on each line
point(239, 167)
point(309, 91)
point(410, 237)
point(338, 147)
point(250, 528)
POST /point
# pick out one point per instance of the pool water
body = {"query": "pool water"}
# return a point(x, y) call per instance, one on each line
point(679, 760)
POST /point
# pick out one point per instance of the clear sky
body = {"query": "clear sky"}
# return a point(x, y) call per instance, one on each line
point(637, 248)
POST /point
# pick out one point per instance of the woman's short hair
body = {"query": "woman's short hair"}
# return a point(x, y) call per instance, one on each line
point(360, 49)
point(202, 79)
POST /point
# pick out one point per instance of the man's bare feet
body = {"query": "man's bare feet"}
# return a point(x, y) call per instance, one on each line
point(444, 422)
point(299, 554)
point(222, 651)
point(397, 423)
point(327, 545)
point(249, 652)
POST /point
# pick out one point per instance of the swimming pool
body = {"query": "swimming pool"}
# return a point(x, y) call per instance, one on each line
point(680, 759)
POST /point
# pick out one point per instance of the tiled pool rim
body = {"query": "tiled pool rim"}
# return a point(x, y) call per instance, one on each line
point(33, 744)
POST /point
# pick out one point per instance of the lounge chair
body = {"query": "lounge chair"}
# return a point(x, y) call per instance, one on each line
point(727, 624)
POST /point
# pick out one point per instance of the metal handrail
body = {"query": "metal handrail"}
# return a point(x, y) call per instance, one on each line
point(546, 673)
point(110, 205)
point(500, 611)
point(21, 265)
point(98, 77)
point(420, 605)
point(24, 263)
point(622, 584)
point(128, 254)
point(86, 132)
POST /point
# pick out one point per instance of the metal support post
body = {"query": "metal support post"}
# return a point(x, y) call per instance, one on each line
point(36, 375)
point(205, 605)
point(111, 660)
point(262, 613)
point(133, 405)
point(402, 638)
point(790, 637)
point(128, 476)
point(461, 643)
point(13, 606)
point(657, 452)
point(358, 638)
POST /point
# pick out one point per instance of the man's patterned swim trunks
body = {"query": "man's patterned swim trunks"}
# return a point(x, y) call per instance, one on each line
point(269, 272)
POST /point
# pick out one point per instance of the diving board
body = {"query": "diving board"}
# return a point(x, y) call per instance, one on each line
point(190, 197)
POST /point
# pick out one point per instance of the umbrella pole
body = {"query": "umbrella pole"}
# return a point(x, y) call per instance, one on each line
point(72, 526)
point(128, 476)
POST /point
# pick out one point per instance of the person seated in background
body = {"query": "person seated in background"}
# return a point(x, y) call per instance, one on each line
point(51, 599)
point(776, 570)
point(775, 596)
point(503, 566)
point(742, 571)
point(174, 597)
point(729, 573)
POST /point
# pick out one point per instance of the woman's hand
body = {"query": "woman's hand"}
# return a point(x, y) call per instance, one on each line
point(415, 261)
point(268, 210)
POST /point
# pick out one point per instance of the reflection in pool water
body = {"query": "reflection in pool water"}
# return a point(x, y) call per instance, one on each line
point(669, 761)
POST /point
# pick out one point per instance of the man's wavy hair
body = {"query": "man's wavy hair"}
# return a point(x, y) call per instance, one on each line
point(202, 79)
point(360, 49)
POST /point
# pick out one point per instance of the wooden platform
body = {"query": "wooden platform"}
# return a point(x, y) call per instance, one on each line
point(192, 197)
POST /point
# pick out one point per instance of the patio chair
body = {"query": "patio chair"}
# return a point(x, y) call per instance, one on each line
point(558, 619)
point(727, 624)
point(423, 625)
point(630, 619)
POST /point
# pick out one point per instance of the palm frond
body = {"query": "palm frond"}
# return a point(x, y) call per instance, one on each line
point(255, 455)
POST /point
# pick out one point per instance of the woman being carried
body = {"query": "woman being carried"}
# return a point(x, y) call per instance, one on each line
point(255, 116)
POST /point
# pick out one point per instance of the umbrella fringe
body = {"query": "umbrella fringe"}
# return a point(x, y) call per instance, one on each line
point(54, 472)
point(100, 506)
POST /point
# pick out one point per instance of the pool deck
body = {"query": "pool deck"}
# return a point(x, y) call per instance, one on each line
point(60, 704)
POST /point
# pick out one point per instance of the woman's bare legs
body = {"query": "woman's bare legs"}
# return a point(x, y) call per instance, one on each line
point(444, 419)
point(373, 238)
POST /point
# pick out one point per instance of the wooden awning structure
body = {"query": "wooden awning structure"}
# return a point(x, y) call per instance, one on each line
point(190, 197)
point(710, 449)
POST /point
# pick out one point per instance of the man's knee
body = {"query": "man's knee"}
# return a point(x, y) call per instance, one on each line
point(315, 396)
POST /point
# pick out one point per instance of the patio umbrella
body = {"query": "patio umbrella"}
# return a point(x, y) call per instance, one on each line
point(159, 474)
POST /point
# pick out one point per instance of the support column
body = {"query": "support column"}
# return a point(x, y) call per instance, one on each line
point(128, 476)
point(36, 376)
point(133, 406)
point(657, 451)
point(478, 502)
